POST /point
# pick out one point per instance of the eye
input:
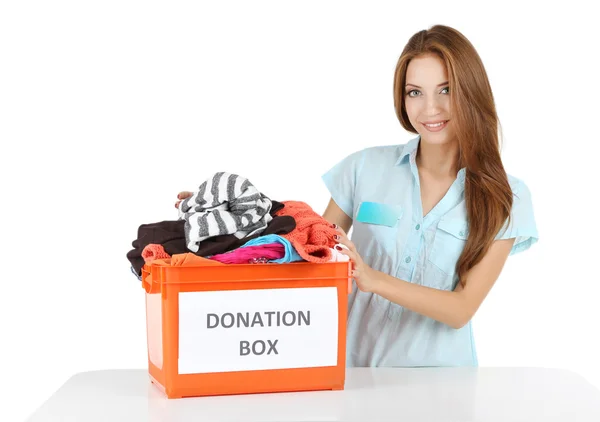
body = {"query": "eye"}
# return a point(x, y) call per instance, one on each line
point(411, 92)
point(447, 90)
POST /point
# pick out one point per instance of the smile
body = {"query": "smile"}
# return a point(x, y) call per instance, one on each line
point(435, 127)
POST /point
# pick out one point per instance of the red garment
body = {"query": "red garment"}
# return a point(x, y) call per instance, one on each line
point(313, 236)
point(244, 255)
point(154, 251)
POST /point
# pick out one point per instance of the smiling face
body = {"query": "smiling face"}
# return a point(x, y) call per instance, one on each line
point(427, 99)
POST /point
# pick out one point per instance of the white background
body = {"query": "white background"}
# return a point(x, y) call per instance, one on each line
point(108, 109)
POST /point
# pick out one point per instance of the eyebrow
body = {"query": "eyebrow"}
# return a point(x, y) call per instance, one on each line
point(417, 86)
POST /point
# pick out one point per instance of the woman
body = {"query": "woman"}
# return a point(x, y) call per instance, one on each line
point(434, 219)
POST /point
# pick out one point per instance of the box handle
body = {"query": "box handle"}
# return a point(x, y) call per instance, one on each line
point(147, 283)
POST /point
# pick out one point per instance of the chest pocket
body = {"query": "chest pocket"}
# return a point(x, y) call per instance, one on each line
point(449, 242)
point(380, 224)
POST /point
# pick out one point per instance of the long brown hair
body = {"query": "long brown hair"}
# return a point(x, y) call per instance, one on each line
point(488, 195)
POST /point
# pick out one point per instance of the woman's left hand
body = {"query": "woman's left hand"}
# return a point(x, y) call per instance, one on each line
point(365, 276)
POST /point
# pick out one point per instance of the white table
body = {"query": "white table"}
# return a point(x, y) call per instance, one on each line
point(371, 394)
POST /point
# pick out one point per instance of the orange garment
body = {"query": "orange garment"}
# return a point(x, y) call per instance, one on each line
point(187, 259)
point(190, 259)
point(313, 236)
point(154, 251)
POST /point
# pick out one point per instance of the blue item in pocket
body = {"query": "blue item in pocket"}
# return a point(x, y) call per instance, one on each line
point(378, 213)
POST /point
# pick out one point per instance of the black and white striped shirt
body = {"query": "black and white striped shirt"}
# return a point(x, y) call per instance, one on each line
point(224, 204)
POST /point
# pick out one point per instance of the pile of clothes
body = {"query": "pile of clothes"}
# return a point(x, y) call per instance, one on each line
point(228, 221)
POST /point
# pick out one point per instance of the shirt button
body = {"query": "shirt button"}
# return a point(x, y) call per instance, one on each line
point(407, 260)
point(418, 226)
point(461, 233)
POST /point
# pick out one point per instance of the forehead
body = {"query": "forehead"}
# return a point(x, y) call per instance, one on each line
point(426, 70)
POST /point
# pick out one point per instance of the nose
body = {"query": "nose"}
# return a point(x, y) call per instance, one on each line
point(433, 106)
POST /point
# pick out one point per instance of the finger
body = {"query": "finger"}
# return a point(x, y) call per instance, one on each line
point(184, 194)
point(340, 236)
point(348, 243)
point(342, 240)
point(351, 246)
point(339, 229)
point(353, 256)
point(343, 236)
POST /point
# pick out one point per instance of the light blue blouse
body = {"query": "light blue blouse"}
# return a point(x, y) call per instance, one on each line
point(380, 186)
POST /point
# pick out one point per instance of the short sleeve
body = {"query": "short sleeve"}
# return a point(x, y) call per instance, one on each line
point(341, 179)
point(522, 226)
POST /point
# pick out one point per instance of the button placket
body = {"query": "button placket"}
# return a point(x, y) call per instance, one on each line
point(409, 257)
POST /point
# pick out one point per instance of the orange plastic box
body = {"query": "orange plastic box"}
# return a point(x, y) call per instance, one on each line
point(246, 328)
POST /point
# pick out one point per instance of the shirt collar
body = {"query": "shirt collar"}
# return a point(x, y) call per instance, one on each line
point(409, 154)
point(409, 150)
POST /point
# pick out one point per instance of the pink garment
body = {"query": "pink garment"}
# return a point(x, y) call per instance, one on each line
point(247, 254)
point(154, 251)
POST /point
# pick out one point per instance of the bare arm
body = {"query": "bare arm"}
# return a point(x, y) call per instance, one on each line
point(454, 308)
point(334, 214)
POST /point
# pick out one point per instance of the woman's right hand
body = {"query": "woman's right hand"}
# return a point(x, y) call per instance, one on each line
point(181, 196)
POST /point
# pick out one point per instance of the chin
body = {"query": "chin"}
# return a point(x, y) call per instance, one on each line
point(435, 138)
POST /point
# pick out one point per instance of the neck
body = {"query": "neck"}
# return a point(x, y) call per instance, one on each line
point(438, 160)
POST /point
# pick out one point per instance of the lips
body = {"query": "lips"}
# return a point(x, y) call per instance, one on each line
point(435, 126)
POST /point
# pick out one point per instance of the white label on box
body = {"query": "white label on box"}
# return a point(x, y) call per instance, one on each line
point(244, 330)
